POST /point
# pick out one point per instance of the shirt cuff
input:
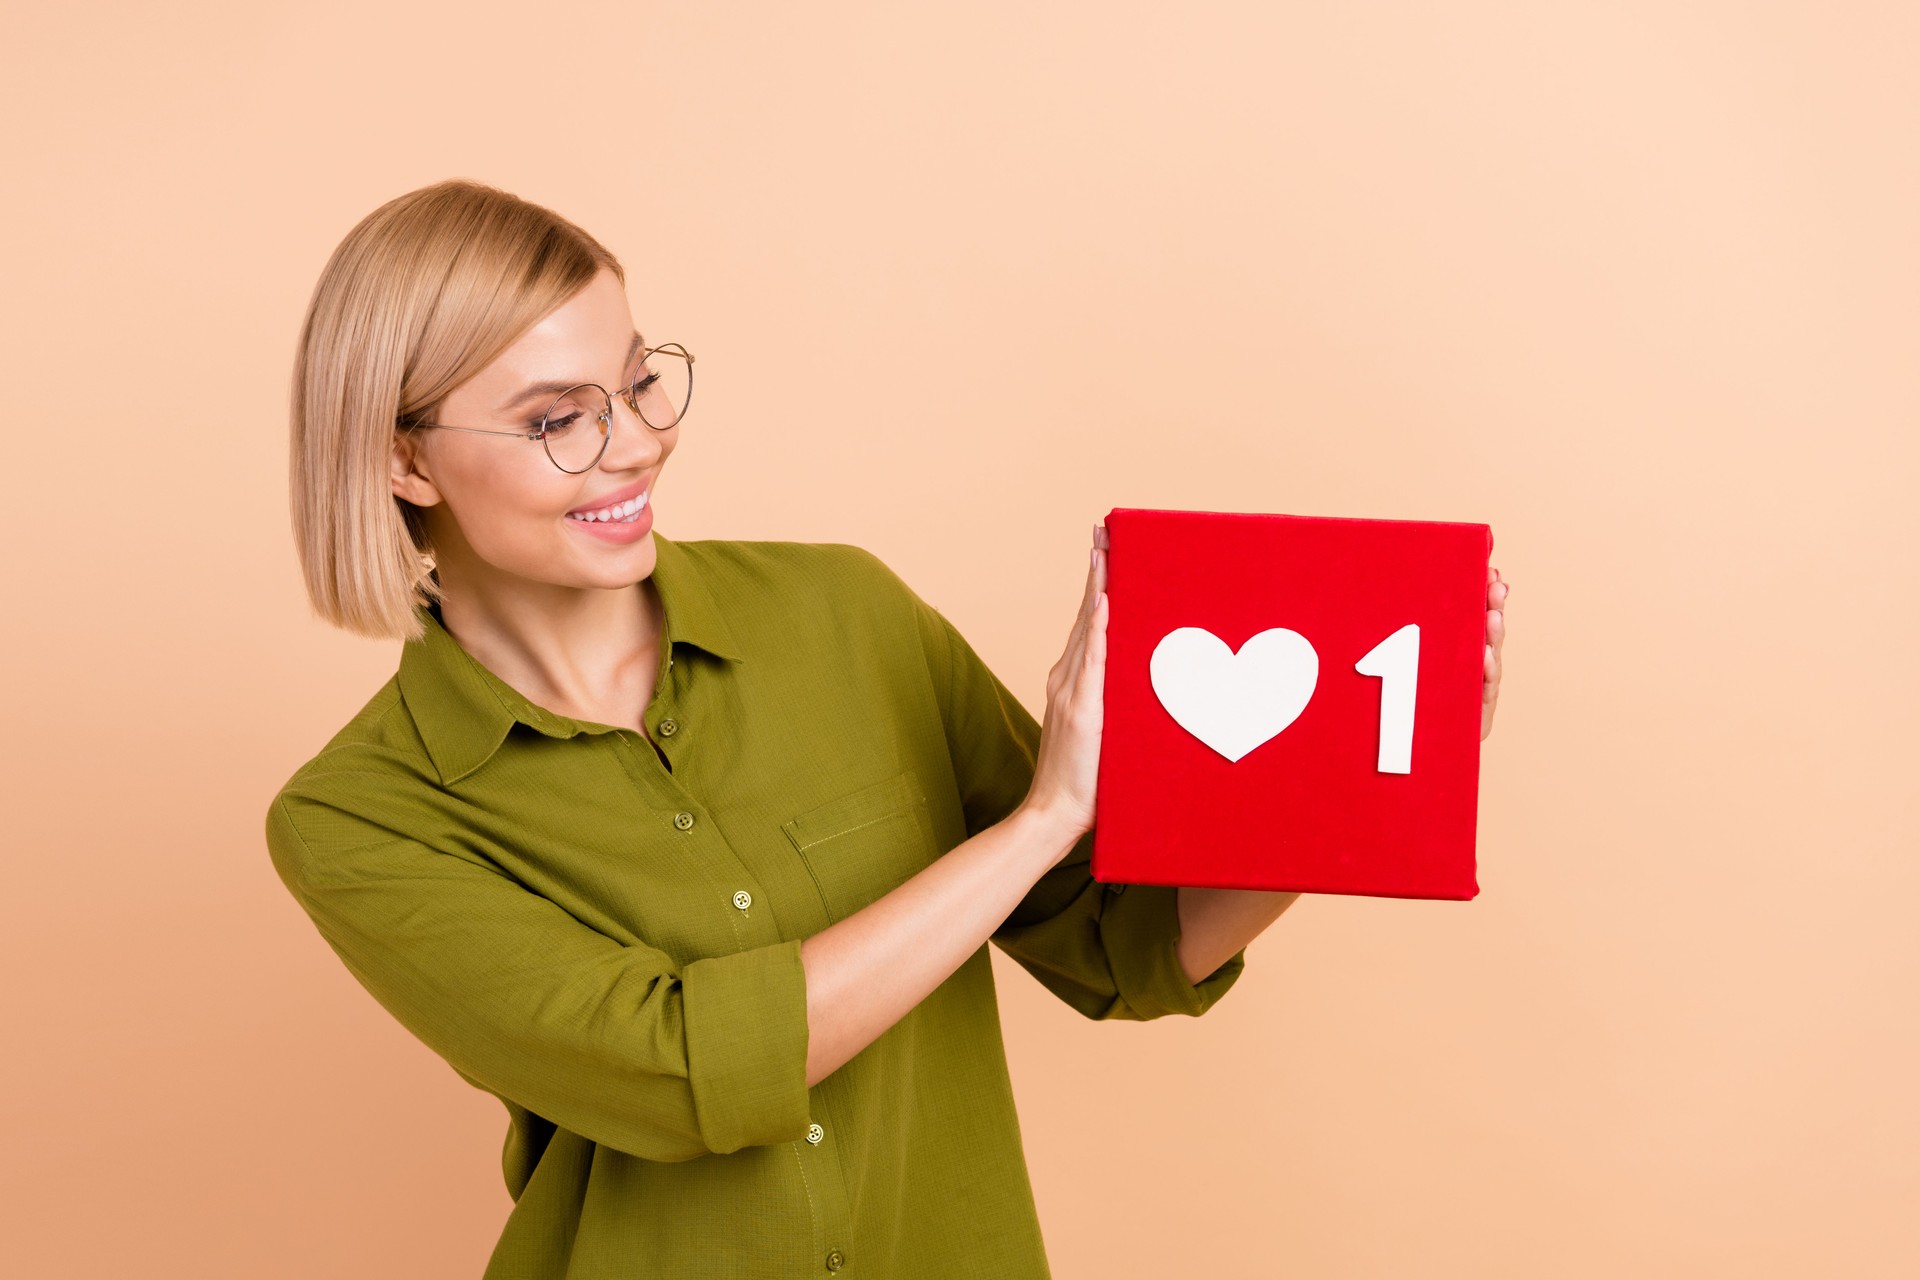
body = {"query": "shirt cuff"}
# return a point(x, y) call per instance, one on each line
point(1140, 929)
point(747, 1036)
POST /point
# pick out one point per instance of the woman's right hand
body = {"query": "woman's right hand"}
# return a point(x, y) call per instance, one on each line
point(1069, 756)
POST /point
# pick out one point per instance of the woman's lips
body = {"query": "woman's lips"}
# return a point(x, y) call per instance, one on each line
point(615, 498)
point(620, 531)
point(626, 509)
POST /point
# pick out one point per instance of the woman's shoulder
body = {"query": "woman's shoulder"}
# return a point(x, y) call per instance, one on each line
point(375, 758)
point(837, 581)
point(380, 736)
point(813, 602)
point(782, 562)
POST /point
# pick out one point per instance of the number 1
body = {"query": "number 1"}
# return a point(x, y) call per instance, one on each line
point(1396, 660)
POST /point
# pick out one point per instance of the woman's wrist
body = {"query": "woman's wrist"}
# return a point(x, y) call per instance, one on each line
point(1050, 833)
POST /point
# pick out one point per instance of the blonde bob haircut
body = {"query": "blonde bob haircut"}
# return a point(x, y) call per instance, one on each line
point(425, 292)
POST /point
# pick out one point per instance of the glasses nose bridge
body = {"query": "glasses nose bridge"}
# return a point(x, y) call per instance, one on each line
point(644, 428)
point(625, 396)
point(610, 398)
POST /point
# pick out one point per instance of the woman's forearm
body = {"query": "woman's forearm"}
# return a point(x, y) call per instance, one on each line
point(1216, 923)
point(864, 973)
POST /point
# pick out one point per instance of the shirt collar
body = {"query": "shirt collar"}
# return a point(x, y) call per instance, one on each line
point(464, 711)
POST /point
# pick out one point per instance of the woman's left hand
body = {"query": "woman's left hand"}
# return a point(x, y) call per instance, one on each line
point(1496, 636)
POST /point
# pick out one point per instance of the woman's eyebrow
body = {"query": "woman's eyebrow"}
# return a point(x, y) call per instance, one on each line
point(553, 387)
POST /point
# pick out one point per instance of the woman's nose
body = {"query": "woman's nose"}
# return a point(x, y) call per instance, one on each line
point(632, 445)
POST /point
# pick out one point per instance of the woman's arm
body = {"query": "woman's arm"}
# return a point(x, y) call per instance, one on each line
point(864, 973)
point(868, 971)
point(1215, 924)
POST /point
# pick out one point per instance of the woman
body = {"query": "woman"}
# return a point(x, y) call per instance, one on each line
point(686, 851)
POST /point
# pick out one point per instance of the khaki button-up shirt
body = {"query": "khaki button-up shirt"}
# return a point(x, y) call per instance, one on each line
point(604, 931)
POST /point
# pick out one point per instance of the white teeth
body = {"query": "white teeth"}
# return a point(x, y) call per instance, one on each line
point(626, 512)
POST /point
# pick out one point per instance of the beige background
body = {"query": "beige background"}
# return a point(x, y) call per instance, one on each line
point(1633, 283)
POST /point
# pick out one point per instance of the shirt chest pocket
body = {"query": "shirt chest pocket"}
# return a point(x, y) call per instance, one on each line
point(862, 845)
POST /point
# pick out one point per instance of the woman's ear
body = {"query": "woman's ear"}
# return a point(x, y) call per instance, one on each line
point(409, 481)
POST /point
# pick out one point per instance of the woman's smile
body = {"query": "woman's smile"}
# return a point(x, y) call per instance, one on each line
point(627, 521)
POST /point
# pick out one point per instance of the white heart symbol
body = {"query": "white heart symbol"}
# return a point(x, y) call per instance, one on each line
point(1231, 701)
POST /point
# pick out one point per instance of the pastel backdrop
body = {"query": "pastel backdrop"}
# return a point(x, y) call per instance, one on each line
point(1633, 283)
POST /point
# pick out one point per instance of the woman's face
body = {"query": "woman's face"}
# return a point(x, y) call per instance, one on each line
point(498, 506)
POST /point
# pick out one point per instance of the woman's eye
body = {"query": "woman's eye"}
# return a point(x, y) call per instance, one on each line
point(640, 388)
point(558, 425)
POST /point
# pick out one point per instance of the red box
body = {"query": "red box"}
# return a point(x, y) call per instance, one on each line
point(1260, 756)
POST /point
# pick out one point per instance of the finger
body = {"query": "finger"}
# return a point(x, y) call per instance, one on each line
point(1090, 589)
point(1093, 663)
point(1087, 589)
point(1096, 657)
point(1098, 583)
point(1496, 628)
point(1076, 636)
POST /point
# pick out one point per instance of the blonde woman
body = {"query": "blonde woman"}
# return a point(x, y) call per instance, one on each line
point(688, 852)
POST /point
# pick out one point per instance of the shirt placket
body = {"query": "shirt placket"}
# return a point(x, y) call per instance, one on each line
point(674, 731)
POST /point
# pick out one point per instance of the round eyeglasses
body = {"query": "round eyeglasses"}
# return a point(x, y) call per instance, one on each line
point(577, 426)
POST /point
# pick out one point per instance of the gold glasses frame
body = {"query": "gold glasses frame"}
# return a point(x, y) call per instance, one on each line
point(629, 394)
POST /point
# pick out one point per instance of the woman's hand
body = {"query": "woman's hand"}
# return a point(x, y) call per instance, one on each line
point(1069, 756)
point(1496, 636)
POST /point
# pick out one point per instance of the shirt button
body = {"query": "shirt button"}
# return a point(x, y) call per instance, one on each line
point(742, 899)
point(836, 1260)
point(669, 727)
point(683, 820)
point(815, 1133)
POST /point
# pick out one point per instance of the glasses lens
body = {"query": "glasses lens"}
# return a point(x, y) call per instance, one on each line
point(576, 428)
point(662, 388)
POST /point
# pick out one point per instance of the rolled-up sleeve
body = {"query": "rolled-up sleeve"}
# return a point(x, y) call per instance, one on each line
point(1109, 951)
point(607, 1039)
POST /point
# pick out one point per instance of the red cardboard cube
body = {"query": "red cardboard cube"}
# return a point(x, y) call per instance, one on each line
point(1292, 703)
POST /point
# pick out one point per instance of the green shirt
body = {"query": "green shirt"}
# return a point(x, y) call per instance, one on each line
point(605, 933)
